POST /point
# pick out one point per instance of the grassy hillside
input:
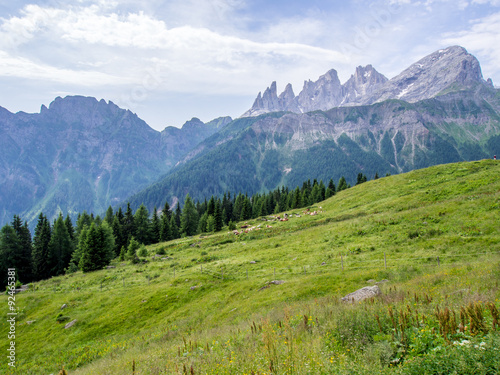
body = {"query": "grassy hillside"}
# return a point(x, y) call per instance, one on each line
point(433, 234)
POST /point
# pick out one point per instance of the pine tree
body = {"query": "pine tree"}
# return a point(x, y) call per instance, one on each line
point(24, 266)
point(120, 239)
point(342, 185)
point(165, 230)
point(109, 215)
point(218, 216)
point(211, 206)
point(70, 228)
point(142, 225)
point(60, 248)
point(202, 223)
point(83, 220)
point(97, 248)
point(74, 264)
point(174, 228)
point(155, 227)
point(128, 226)
point(211, 224)
point(133, 246)
point(178, 215)
point(189, 218)
point(41, 248)
point(9, 248)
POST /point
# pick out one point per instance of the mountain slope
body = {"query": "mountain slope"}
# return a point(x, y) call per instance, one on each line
point(253, 154)
point(452, 68)
point(83, 154)
point(197, 307)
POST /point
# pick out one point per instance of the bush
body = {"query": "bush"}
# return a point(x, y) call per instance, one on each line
point(143, 252)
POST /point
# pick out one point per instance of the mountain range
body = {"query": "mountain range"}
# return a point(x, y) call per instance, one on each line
point(83, 154)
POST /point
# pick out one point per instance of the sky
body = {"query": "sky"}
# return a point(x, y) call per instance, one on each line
point(169, 61)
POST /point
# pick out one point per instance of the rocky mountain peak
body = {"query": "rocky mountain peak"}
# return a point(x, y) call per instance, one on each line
point(452, 68)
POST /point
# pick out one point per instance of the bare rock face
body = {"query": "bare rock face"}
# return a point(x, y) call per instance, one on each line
point(365, 81)
point(362, 294)
point(450, 69)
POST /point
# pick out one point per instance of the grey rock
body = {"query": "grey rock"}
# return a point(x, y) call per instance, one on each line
point(362, 294)
point(448, 69)
point(64, 306)
point(70, 324)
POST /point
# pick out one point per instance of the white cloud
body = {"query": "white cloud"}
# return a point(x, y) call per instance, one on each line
point(21, 67)
point(481, 39)
point(110, 44)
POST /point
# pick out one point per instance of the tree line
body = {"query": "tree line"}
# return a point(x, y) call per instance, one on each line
point(91, 244)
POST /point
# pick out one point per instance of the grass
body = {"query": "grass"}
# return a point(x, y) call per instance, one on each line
point(212, 318)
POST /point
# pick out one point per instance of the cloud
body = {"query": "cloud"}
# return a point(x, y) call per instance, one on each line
point(482, 38)
point(112, 45)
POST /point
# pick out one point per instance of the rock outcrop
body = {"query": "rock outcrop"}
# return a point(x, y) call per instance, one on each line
point(362, 294)
point(450, 69)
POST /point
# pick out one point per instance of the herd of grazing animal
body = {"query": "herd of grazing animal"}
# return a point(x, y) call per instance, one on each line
point(247, 228)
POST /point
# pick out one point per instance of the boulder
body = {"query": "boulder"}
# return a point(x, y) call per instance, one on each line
point(362, 294)
point(64, 306)
point(70, 324)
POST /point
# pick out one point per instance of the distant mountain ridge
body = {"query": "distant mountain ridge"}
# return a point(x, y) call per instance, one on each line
point(83, 154)
point(422, 80)
point(439, 110)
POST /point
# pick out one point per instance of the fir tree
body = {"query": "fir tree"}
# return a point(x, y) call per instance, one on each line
point(218, 216)
point(202, 223)
point(342, 185)
point(211, 224)
point(142, 225)
point(174, 228)
point(60, 248)
point(70, 228)
point(189, 218)
point(23, 260)
point(165, 230)
point(155, 227)
point(128, 226)
point(9, 248)
point(109, 215)
point(120, 239)
point(41, 248)
point(133, 246)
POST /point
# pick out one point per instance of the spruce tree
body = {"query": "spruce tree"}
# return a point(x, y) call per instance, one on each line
point(218, 216)
point(211, 224)
point(202, 223)
point(142, 225)
point(120, 240)
point(9, 248)
point(60, 248)
point(24, 266)
point(165, 231)
point(74, 264)
point(97, 248)
point(41, 248)
point(342, 185)
point(133, 246)
point(155, 227)
point(174, 228)
point(189, 218)
point(70, 228)
point(83, 220)
point(109, 215)
point(128, 226)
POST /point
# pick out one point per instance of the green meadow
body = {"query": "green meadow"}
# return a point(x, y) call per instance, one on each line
point(206, 304)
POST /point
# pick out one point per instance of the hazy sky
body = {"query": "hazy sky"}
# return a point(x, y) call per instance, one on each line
point(169, 61)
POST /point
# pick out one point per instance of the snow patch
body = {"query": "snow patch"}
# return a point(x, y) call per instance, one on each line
point(404, 91)
point(287, 170)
